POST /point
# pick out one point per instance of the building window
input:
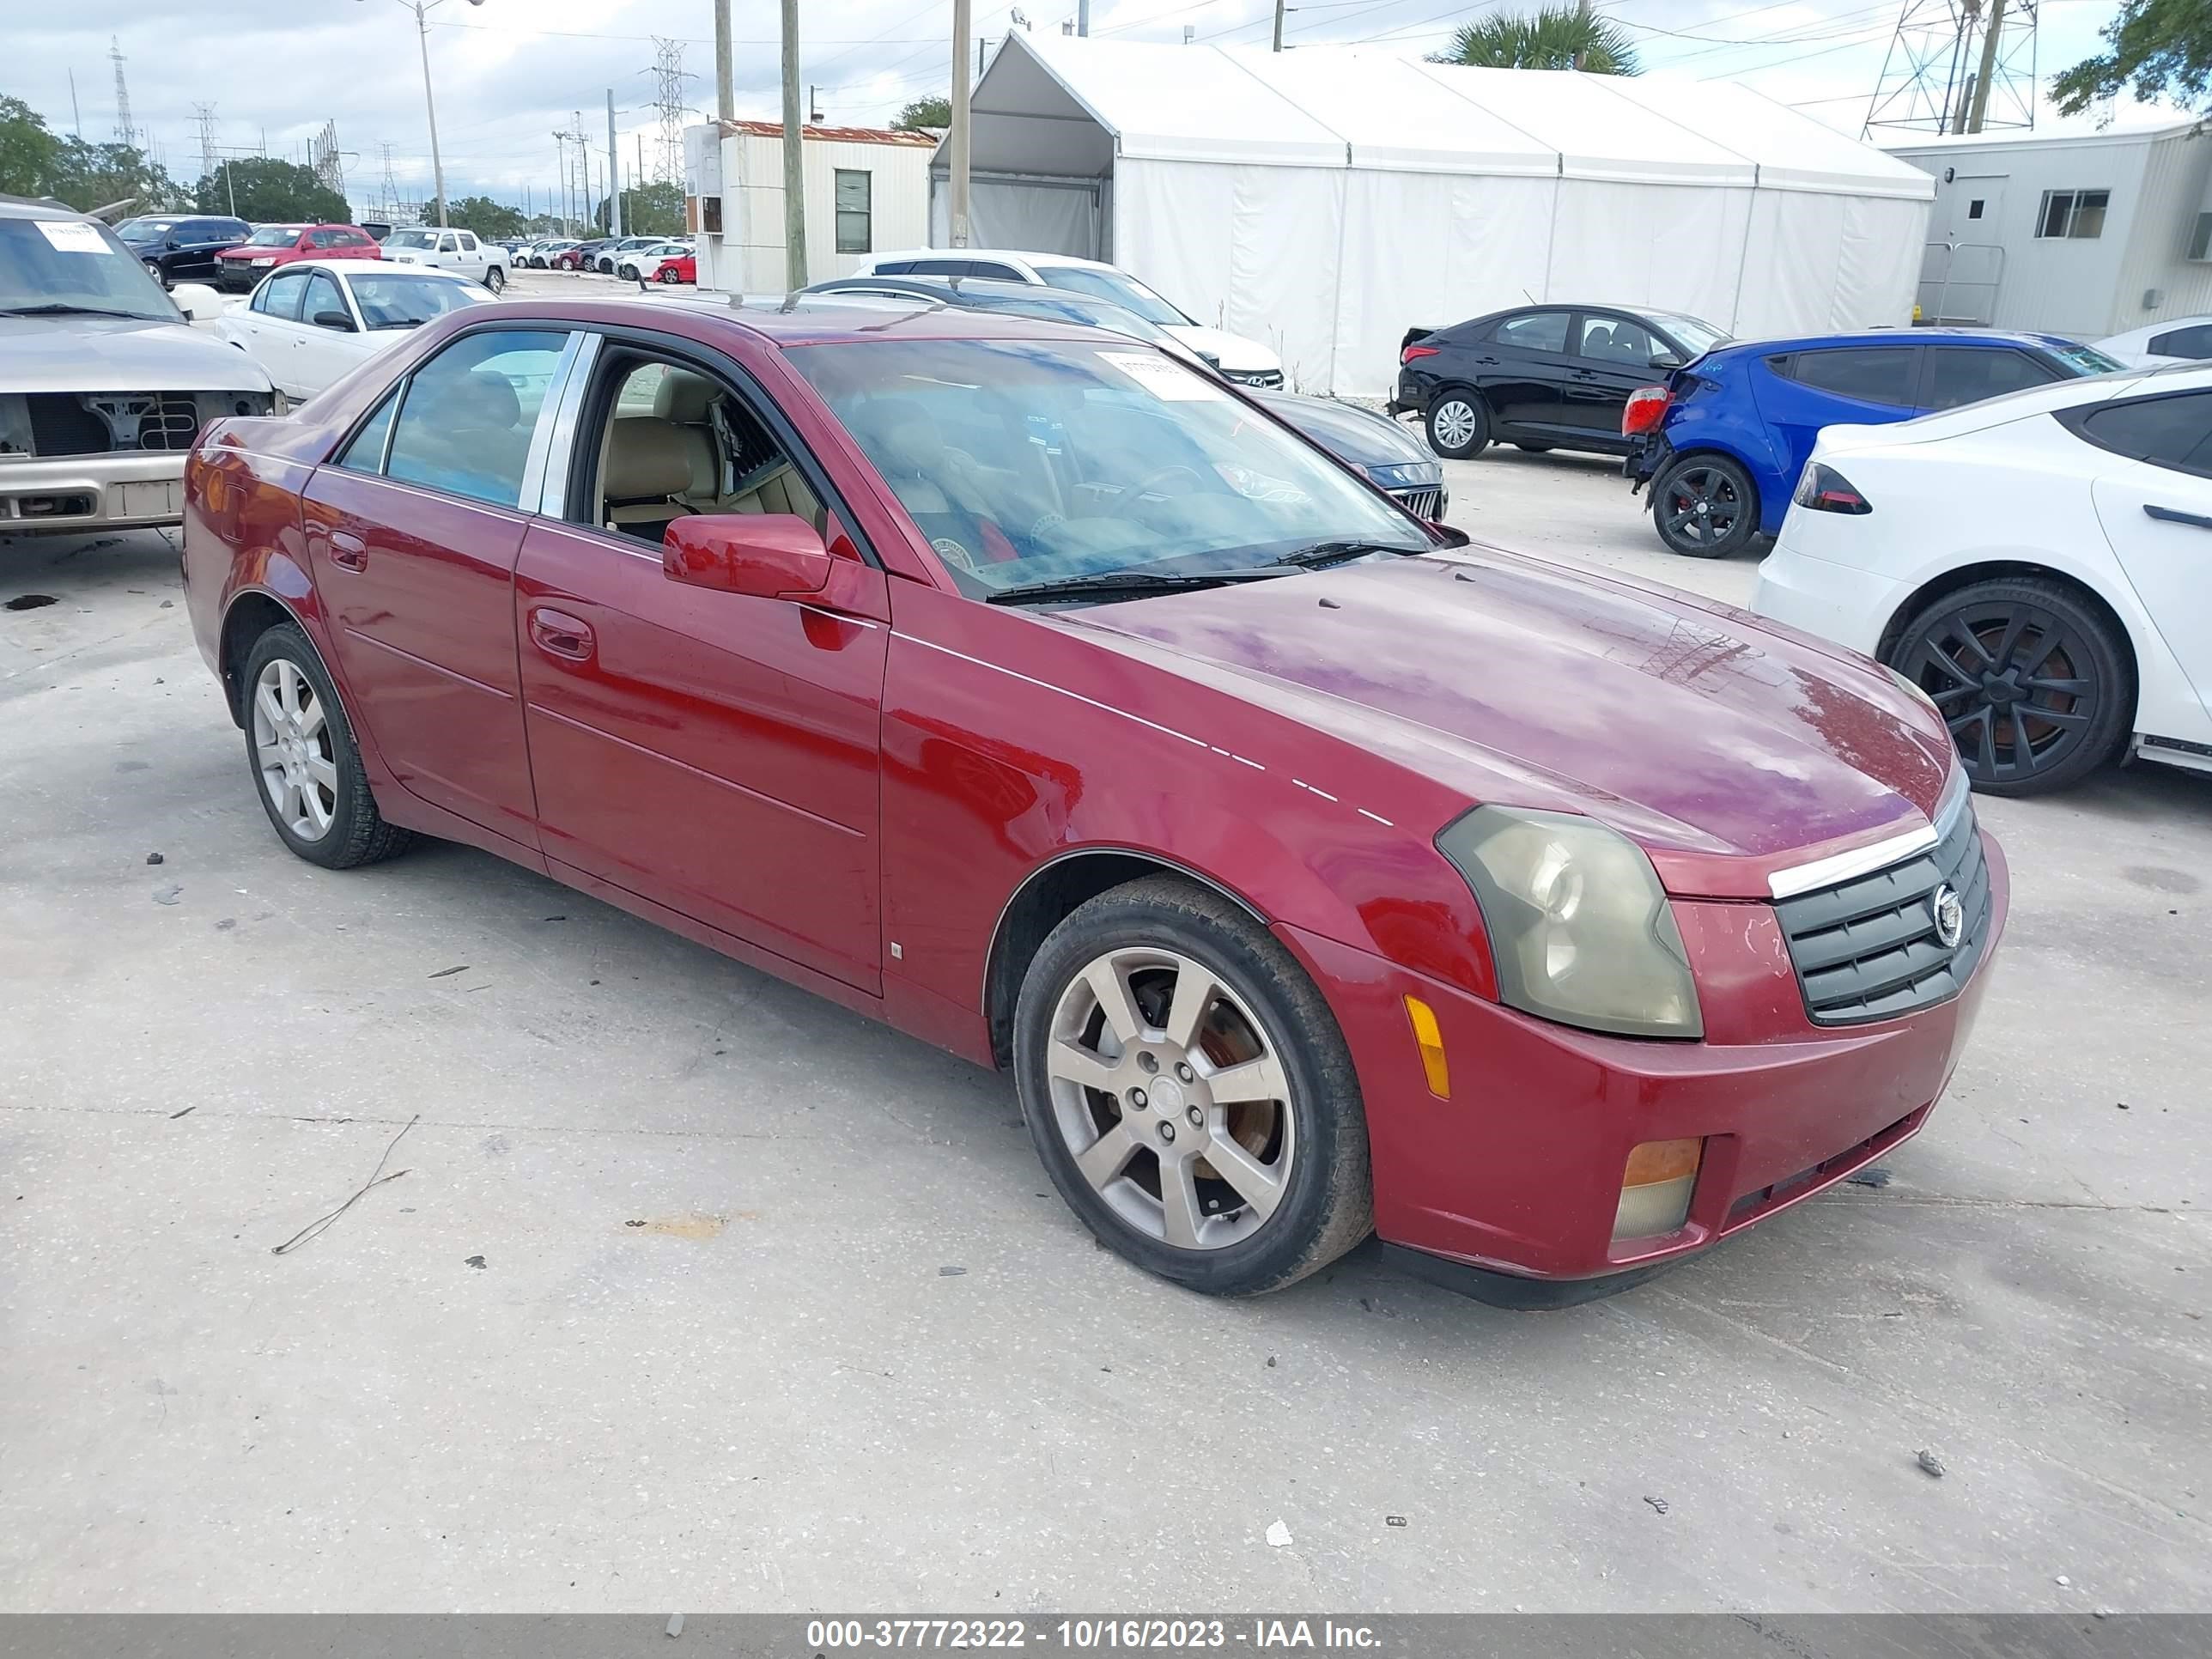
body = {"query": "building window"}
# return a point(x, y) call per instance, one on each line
point(1974, 209)
point(2200, 243)
point(852, 212)
point(2078, 215)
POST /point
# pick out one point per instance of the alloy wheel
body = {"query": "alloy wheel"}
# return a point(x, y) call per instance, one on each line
point(1172, 1099)
point(2014, 683)
point(292, 751)
point(1456, 422)
point(1702, 506)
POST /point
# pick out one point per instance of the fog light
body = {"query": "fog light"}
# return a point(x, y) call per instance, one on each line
point(1431, 1041)
point(1655, 1187)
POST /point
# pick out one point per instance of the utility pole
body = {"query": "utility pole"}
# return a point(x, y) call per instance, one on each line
point(1279, 25)
point(726, 92)
point(1990, 32)
point(614, 171)
point(1083, 21)
point(561, 172)
point(430, 108)
point(77, 115)
point(957, 159)
point(794, 158)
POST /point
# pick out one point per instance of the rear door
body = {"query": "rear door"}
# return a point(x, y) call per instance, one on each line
point(1835, 385)
point(413, 533)
point(2156, 508)
point(1520, 368)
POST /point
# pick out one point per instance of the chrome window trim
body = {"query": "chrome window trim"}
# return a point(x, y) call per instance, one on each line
point(550, 498)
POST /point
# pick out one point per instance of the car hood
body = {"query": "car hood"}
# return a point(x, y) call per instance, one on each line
point(1233, 352)
point(1350, 432)
point(119, 354)
point(1728, 749)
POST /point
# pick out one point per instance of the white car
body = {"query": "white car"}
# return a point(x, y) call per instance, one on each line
point(316, 319)
point(1245, 362)
point(2035, 564)
point(456, 251)
point(2178, 340)
point(643, 264)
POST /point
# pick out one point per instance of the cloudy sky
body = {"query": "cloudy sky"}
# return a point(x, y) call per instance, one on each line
point(508, 73)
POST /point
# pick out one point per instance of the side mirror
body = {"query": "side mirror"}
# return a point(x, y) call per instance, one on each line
point(334, 319)
point(763, 555)
point(1665, 359)
point(199, 302)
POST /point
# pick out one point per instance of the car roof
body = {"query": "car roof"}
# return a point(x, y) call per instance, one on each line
point(24, 207)
point(785, 320)
point(377, 268)
point(1027, 256)
point(1895, 337)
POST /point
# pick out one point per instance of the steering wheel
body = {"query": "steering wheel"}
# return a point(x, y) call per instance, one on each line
point(1151, 484)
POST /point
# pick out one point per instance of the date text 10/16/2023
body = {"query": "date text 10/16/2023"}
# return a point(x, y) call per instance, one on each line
point(1090, 1635)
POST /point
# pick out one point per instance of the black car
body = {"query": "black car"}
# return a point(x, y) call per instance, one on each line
point(1541, 377)
point(181, 248)
point(1377, 445)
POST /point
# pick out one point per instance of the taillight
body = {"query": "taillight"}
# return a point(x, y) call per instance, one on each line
point(1412, 352)
point(1824, 489)
point(1645, 407)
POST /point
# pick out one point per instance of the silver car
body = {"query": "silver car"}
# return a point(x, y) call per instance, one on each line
point(104, 384)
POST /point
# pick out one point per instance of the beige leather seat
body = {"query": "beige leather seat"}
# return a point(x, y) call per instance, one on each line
point(643, 474)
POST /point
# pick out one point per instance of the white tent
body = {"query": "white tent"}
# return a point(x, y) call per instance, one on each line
point(1328, 199)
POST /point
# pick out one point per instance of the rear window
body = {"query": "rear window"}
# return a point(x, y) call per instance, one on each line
point(1869, 374)
point(2192, 342)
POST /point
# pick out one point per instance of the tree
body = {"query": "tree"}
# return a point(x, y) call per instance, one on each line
point(88, 176)
point(263, 188)
point(654, 209)
point(2158, 49)
point(925, 115)
point(29, 149)
point(1551, 38)
point(486, 218)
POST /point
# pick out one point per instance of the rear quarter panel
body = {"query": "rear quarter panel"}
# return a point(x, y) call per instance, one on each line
point(242, 534)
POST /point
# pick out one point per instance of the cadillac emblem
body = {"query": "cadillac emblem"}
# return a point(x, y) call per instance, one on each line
point(1950, 916)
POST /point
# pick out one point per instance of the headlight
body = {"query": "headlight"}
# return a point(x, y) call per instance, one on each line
point(1579, 925)
point(258, 262)
point(1912, 687)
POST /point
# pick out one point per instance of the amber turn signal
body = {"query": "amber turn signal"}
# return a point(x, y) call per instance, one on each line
point(1655, 1187)
point(1429, 1040)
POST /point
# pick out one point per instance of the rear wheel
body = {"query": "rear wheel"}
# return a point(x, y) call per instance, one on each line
point(1459, 425)
point(2033, 682)
point(667, 274)
point(306, 765)
point(1190, 1093)
point(1706, 507)
point(495, 279)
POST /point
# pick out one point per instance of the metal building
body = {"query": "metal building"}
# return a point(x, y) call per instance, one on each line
point(2083, 234)
point(867, 188)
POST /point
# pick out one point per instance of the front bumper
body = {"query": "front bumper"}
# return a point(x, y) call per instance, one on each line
point(232, 277)
point(85, 492)
point(1519, 1173)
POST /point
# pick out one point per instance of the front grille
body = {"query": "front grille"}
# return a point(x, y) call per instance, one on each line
point(1868, 949)
point(1268, 380)
point(61, 425)
point(172, 423)
point(1422, 503)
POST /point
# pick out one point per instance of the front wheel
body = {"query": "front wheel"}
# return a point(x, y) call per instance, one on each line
point(2033, 682)
point(307, 767)
point(1458, 425)
point(1705, 506)
point(1190, 1093)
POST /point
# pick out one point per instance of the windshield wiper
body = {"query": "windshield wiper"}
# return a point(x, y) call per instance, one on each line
point(59, 309)
point(1106, 583)
point(1328, 553)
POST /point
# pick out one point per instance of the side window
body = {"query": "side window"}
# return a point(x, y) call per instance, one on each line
point(2193, 341)
point(468, 241)
point(323, 299)
point(470, 411)
point(366, 453)
point(449, 243)
point(1966, 374)
point(1872, 374)
point(1618, 341)
point(996, 273)
point(281, 294)
point(325, 238)
point(939, 268)
point(2174, 431)
point(893, 268)
point(1533, 331)
point(854, 195)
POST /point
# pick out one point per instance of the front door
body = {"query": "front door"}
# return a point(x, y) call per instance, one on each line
point(2156, 508)
point(413, 533)
point(329, 338)
point(1613, 357)
point(713, 752)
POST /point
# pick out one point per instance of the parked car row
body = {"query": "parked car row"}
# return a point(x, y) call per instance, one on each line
point(651, 258)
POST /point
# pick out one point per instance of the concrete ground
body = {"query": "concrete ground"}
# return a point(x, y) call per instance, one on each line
point(699, 1293)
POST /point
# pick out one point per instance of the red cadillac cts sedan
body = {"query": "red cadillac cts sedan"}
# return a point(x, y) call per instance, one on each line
point(1313, 871)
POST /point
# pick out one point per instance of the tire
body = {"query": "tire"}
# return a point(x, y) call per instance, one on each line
point(1705, 506)
point(668, 275)
point(341, 828)
point(495, 279)
point(1534, 449)
point(2034, 681)
point(1458, 424)
point(1260, 1009)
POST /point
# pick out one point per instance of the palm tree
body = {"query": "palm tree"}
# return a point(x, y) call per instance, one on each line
point(1551, 38)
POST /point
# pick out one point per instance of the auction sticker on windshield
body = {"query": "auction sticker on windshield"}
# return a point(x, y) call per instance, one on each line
point(70, 237)
point(1163, 378)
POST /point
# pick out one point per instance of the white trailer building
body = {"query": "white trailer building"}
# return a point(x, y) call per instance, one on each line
point(1327, 199)
point(2085, 234)
point(867, 188)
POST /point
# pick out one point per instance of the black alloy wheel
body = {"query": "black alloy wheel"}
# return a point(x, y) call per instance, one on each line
point(1705, 506)
point(2032, 682)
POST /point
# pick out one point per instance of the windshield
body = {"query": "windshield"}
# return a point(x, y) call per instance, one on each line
point(77, 266)
point(1032, 460)
point(1123, 290)
point(392, 299)
point(427, 238)
point(1693, 334)
point(2084, 360)
point(274, 236)
point(138, 231)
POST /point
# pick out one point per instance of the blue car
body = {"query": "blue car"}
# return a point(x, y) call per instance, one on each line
point(1722, 442)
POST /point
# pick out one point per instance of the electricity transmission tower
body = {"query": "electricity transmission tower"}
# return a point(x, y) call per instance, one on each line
point(324, 157)
point(668, 71)
point(203, 118)
point(388, 195)
point(126, 133)
point(1958, 66)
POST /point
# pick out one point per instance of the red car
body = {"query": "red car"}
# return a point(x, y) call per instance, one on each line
point(242, 267)
point(1311, 870)
point(677, 268)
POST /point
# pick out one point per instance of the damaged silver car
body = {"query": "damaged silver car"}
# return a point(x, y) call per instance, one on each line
point(104, 384)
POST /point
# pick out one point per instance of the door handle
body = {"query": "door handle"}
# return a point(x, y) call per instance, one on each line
point(557, 634)
point(349, 552)
point(2175, 515)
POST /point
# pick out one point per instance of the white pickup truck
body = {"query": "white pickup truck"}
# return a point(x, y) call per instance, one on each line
point(461, 252)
